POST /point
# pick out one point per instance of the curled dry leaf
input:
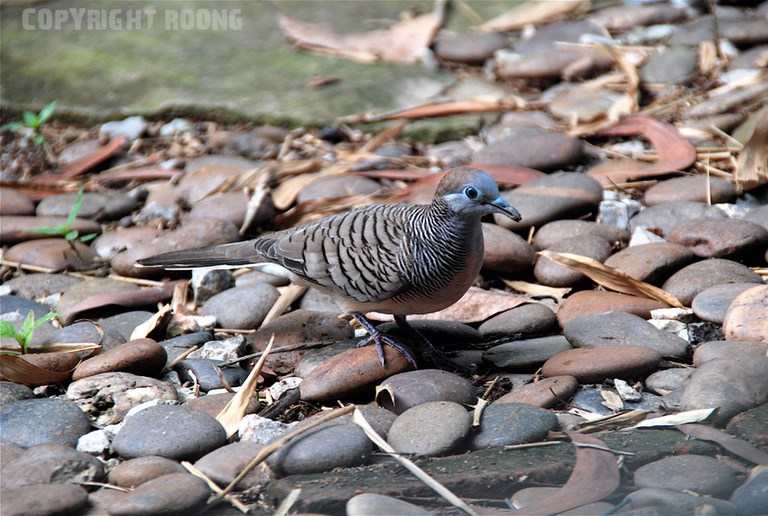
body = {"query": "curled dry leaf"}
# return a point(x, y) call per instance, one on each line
point(611, 278)
point(130, 298)
point(594, 477)
point(16, 368)
point(536, 290)
point(752, 169)
point(534, 13)
point(158, 320)
point(404, 42)
point(675, 152)
point(475, 306)
point(737, 446)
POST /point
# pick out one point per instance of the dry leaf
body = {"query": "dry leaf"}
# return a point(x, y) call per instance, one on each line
point(536, 290)
point(737, 446)
point(231, 415)
point(675, 152)
point(594, 477)
point(476, 305)
point(681, 418)
point(752, 169)
point(404, 42)
point(441, 109)
point(534, 13)
point(611, 278)
point(611, 400)
point(158, 320)
point(287, 297)
point(15, 369)
point(86, 163)
point(130, 298)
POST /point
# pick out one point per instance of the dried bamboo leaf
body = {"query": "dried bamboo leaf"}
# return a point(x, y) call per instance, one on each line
point(536, 290)
point(534, 13)
point(752, 169)
point(681, 418)
point(611, 278)
point(231, 415)
point(419, 473)
point(65, 347)
point(288, 295)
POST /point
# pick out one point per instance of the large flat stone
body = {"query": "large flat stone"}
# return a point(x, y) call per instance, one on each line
point(483, 474)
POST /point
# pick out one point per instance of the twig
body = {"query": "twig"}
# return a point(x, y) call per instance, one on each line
point(531, 445)
point(181, 357)
point(283, 349)
point(272, 447)
point(237, 504)
point(101, 484)
point(419, 473)
point(603, 448)
point(287, 503)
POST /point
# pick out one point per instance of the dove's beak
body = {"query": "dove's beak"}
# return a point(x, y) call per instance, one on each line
point(503, 207)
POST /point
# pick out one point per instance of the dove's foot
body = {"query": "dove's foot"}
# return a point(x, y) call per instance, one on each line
point(431, 352)
point(379, 339)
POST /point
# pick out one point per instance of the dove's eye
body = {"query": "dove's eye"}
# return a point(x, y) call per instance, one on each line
point(471, 192)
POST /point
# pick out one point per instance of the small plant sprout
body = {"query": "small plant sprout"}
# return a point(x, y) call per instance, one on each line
point(27, 331)
point(32, 123)
point(65, 229)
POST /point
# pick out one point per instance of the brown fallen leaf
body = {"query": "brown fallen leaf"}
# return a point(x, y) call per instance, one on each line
point(130, 298)
point(136, 174)
point(737, 446)
point(752, 165)
point(403, 42)
point(534, 13)
point(86, 163)
point(611, 278)
point(594, 477)
point(675, 152)
point(536, 290)
point(441, 109)
point(475, 306)
point(24, 369)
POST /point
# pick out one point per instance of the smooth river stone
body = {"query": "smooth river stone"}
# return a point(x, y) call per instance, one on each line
point(697, 473)
point(95, 205)
point(143, 357)
point(521, 354)
point(169, 431)
point(512, 423)
point(552, 197)
point(14, 202)
point(176, 493)
point(690, 188)
point(41, 421)
point(591, 365)
point(505, 251)
point(531, 147)
point(46, 499)
point(134, 472)
point(747, 316)
point(664, 217)
point(471, 47)
point(711, 304)
point(522, 321)
point(553, 274)
point(53, 253)
point(552, 233)
point(686, 283)
point(433, 428)
point(652, 263)
point(544, 393)
point(588, 302)
point(720, 237)
point(17, 228)
point(622, 329)
point(424, 385)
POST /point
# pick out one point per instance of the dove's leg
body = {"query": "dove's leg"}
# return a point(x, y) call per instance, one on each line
point(378, 338)
point(434, 354)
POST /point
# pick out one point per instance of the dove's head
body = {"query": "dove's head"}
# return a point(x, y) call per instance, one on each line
point(469, 191)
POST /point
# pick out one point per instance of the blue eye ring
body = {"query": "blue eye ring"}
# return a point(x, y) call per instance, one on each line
point(471, 193)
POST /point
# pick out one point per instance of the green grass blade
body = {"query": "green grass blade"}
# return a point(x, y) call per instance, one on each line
point(75, 208)
point(11, 126)
point(29, 324)
point(31, 120)
point(7, 330)
point(46, 112)
point(44, 319)
point(88, 237)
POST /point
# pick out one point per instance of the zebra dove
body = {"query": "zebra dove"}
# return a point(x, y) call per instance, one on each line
point(398, 259)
